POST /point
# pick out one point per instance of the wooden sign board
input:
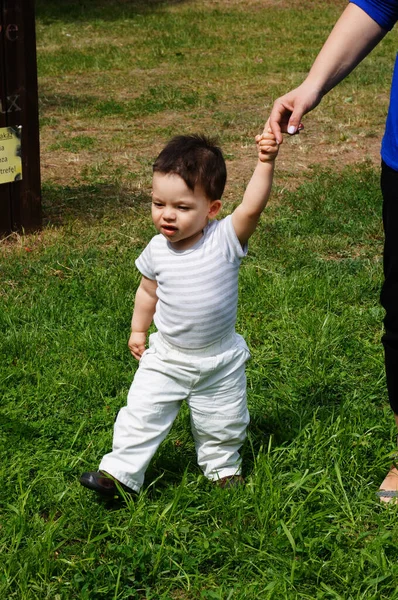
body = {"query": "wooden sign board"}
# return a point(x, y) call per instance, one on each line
point(20, 198)
point(10, 154)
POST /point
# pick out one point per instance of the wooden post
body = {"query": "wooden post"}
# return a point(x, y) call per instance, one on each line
point(20, 201)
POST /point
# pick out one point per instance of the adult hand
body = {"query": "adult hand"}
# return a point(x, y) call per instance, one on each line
point(289, 109)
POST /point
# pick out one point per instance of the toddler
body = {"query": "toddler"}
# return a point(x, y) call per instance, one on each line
point(189, 288)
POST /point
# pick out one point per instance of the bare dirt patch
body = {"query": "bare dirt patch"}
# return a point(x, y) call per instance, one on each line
point(135, 152)
point(340, 133)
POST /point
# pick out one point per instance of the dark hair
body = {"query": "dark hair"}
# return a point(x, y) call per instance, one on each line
point(197, 160)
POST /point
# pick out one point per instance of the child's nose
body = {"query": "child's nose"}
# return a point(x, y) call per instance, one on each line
point(169, 213)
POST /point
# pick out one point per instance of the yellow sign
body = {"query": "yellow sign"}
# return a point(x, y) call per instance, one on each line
point(10, 154)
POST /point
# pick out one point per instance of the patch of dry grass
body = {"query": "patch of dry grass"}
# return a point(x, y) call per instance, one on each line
point(236, 57)
point(114, 85)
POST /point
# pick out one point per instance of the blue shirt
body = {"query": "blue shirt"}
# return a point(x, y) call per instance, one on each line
point(385, 13)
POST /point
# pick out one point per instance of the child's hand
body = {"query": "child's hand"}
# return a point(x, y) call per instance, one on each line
point(136, 343)
point(267, 146)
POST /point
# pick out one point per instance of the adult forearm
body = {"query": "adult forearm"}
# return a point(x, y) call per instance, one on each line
point(352, 38)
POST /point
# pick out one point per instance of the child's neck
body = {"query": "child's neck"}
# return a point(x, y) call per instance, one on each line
point(187, 243)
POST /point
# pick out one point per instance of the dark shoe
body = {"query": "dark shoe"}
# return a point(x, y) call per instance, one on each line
point(103, 484)
point(231, 481)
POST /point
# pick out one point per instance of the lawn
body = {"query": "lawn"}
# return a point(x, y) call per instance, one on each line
point(116, 80)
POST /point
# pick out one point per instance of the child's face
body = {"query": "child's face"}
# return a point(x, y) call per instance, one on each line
point(179, 213)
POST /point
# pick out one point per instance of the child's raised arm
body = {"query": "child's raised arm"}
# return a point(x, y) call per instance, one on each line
point(246, 216)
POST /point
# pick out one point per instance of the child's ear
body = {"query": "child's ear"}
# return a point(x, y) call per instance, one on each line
point(215, 207)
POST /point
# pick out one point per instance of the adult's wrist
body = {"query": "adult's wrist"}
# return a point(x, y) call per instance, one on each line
point(315, 87)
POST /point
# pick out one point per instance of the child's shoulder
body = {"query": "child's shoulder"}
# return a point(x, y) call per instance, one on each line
point(155, 246)
point(222, 225)
point(157, 241)
point(218, 224)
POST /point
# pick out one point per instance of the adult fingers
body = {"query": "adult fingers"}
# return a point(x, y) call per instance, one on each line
point(295, 124)
point(278, 119)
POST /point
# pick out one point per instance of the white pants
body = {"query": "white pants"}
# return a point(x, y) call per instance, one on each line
point(213, 382)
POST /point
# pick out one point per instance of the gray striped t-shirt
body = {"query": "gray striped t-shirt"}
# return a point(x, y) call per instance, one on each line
point(198, 287)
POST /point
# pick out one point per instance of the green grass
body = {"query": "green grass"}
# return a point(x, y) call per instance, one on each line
point(307, 525)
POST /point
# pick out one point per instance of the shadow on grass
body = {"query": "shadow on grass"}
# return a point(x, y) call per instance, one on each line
point(17, 428)
point(49, 101)
point(107, 10)
point(284, 422)
point(156, 99)
point(89, 203)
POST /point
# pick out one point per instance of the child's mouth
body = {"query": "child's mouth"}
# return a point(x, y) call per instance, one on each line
point(169, 229)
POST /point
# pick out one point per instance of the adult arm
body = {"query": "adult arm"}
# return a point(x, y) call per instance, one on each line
point(144, 309)
point(352, 38)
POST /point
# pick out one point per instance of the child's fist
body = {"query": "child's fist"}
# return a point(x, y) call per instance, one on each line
point(267, 146)
point(136, 344)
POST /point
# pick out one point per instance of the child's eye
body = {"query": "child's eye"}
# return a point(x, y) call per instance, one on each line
point(184, 208)
point(157, 204)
